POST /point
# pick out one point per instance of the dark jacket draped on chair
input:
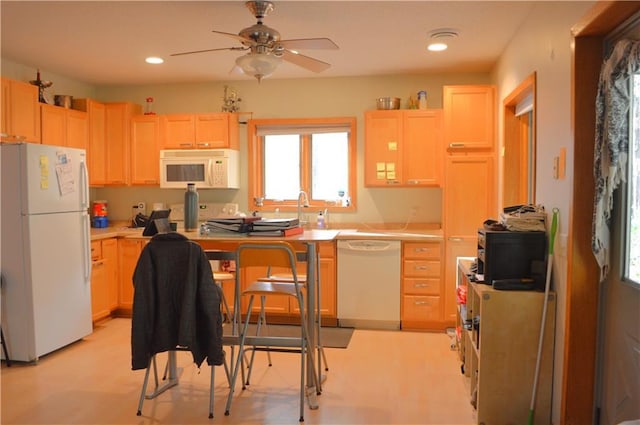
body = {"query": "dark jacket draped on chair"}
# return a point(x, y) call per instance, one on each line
point(175, 302)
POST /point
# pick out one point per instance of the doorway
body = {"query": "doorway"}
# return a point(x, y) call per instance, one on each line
point(618, 361)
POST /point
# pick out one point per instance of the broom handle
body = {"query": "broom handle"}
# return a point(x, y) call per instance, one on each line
point(552, 237)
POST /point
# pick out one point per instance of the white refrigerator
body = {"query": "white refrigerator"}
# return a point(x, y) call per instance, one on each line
point(45, 257)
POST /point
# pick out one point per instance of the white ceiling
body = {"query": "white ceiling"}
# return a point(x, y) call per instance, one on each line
point(105, 42)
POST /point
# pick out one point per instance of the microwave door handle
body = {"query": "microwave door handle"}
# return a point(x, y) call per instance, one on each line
point(210, 172)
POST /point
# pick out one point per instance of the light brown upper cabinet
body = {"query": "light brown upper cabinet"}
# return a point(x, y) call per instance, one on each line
point(469, 117)
point(200, 131)
point(20, 112)
point(403, 148)
point(96, 145)
point(117, 137)
point(64, 127)
point(145, 150)
point(519, 153)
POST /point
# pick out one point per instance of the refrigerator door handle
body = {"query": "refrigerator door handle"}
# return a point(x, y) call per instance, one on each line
point(84, 178)
point(87, 247)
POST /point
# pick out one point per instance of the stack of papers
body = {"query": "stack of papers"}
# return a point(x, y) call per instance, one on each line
point(231, 224)
point(276, 227)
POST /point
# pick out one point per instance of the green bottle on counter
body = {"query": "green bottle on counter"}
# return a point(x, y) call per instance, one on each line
point(191, 208)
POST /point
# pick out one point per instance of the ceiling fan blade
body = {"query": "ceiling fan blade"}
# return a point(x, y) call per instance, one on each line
point(306, 62)
point(309, 43)
point(236, 36)
point(208, 50)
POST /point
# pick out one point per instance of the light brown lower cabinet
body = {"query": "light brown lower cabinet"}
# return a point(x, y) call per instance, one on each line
point(422, 292)
point(129, 250)
point(104, 278)
point(128, 253)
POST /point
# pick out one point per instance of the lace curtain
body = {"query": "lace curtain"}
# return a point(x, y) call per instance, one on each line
point(613, 103)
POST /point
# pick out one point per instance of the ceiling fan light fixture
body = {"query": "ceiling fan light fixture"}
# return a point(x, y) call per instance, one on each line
point(259, 65)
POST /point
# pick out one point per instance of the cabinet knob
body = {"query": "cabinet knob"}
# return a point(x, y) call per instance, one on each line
point(456, 145)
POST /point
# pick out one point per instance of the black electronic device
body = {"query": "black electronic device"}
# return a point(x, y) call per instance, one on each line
point(158, 223)
point(512, 257)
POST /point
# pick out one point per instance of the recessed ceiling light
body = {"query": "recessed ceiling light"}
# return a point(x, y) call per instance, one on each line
point(439, 39)
point(154, 60)
point(437, 47)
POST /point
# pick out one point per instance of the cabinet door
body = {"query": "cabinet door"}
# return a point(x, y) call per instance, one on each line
point(21, 111)
point(145, 150)
point(212, 131)
point(179, 131)
point(469, 116)
point(53, 119)
point(456, 246)
point(382, 158)
point(128, 254)
point(4, 112)
point(274, 303)
point(96, 148)
point(422, 148)
point(117, 136)
point(469, 194)
point(110, 258)
point(99, 308)
point(77, 129)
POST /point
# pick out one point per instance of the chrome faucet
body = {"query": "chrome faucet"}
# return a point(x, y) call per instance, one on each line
point(303, 201)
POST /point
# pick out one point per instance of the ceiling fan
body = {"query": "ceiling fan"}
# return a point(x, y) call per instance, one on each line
point(267, 50)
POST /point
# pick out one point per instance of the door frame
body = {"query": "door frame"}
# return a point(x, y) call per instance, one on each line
point(579, 378)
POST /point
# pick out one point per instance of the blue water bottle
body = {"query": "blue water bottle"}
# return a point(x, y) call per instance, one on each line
point(191, 208)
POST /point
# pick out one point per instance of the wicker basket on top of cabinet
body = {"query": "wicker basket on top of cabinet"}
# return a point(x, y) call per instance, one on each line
point(422, 285)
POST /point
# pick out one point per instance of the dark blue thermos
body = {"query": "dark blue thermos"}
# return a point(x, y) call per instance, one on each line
point(191, 208)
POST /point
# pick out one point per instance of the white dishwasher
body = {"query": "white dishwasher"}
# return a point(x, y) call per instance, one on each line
point(369, 284)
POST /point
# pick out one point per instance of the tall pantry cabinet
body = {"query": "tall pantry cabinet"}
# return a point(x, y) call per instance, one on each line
point(469, 175)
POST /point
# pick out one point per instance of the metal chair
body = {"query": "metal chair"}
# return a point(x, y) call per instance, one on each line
point(176, 307)
point(277, 254)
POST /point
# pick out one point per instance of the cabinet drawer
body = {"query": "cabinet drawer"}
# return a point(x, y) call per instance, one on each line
point(421, 286)
point(327, 249)
point(422, 268)
point(420, 250)
point(421, 308)
point(96, 250)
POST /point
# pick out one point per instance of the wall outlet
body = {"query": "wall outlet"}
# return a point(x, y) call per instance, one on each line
point(413, 211)
point(142, 208)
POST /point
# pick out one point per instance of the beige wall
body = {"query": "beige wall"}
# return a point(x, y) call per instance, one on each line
point(543, 45)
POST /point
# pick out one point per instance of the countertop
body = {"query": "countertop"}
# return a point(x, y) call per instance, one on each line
point(350, 234)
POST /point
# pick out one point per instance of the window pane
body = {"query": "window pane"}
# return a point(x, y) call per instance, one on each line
point(330, 165)
point(632, 269)
point(281, 166)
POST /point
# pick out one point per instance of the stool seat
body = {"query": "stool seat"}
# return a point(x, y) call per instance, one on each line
point(220, 276)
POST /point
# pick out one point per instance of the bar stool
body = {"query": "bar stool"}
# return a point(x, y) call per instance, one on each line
point(277, 254)
point(219, 278)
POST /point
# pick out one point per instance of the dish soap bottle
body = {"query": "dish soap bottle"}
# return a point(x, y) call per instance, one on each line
point(320, 221)
point(191, 208)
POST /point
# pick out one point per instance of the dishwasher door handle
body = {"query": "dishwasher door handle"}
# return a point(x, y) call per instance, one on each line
point(369, 246)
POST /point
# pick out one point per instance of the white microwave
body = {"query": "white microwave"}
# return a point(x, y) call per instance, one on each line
point(207, 168)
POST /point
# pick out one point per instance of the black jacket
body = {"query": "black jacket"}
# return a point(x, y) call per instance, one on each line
point(175, 302)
